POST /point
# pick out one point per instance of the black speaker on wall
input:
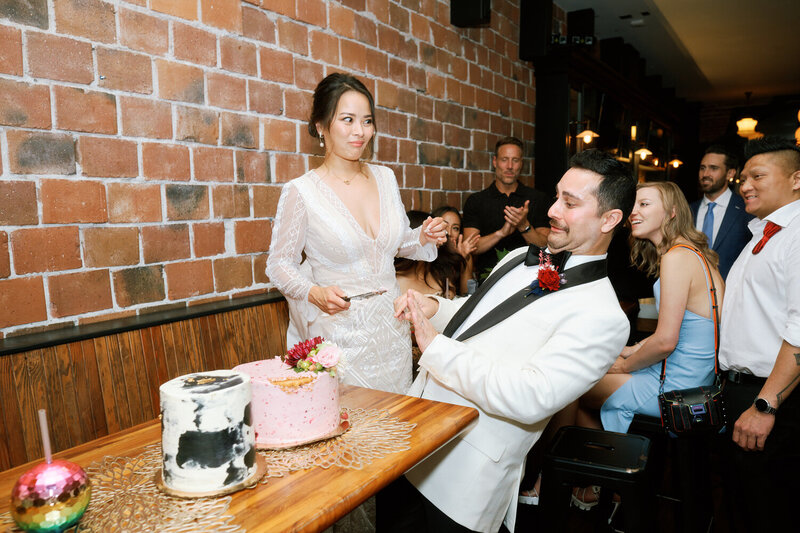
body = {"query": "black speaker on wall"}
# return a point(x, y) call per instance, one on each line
point(535, 28)
point(469, 13)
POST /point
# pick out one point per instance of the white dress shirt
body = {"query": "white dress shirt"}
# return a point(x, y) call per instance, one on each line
point(515, 280)
point(719, 212)
point(762, 297)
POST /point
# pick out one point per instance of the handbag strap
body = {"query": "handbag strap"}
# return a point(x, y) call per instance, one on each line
point(714, 313)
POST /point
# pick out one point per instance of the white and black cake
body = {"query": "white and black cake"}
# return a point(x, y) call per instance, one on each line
point(206, 431)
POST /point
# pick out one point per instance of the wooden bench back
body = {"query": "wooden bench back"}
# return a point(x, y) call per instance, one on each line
point(98, 386)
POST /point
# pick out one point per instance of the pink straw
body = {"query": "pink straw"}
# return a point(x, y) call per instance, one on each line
point(48, 457)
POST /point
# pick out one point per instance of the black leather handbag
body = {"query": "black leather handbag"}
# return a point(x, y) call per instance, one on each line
point(700, 409)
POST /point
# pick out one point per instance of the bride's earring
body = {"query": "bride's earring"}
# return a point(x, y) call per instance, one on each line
point(321, 141)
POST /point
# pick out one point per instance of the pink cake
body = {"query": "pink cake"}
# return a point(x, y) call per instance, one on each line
point(290, 407)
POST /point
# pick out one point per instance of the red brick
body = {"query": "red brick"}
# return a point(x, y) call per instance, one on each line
point(10, 51)
point(133, 202)
point(18, 203)
point(354, 56)
point(324, 47)
point(398, 71)
point(233, 273)
point(86, 18)
point(279, 135)
point(256, 25)
point(165, 162)
point(22, 301)
point(307, 74)
point(312, 11)
point(252, 167)
point(145, 118)
point(379, 9)
point(5, 259)
point(239, 130)
point(24, 105)
point(224, 14)
point(177, 81)
point(89, 111)
point(125, 71)
point(59, 58)
point(297, 104)
point(133, 286)
point(260, 268)
point(377, 63)
point(189, 279)
point(265, 200)
point(165, 243)
point(193, 44)
point(238, 56)
point(78, 293)
point(108, 158)
point(198, 125)
point(45, 249)
point(209, 239)
point(231, 201)
point(213, 164)
point(284, 7)
point(186, 202)
point(69, 201)
point(185, 9)
point(227, 91)
point(106, 247)
point(143, 32)
point(276, 65)
point(265, 98)
point(293, 37)
point(342, 20)
point(252, 236)
point(40, 153)
point(366, 30)
point(288, 167)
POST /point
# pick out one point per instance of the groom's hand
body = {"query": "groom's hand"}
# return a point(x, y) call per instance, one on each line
point(429, 306)
point(423, 329)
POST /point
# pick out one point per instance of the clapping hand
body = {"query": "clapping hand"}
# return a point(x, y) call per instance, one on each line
point(416, 308)
point(434, 230)
point(517, 217)
point(329, 299)
point(467, 246)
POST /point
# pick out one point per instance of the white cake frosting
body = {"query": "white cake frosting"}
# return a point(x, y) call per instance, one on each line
point(207, 435)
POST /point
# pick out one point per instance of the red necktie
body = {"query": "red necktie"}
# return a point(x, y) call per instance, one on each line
point(769, 231)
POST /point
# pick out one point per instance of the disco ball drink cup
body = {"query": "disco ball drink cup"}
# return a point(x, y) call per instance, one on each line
point(50, 497)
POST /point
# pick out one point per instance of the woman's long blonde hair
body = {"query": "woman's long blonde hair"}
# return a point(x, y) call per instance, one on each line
point(644, 254)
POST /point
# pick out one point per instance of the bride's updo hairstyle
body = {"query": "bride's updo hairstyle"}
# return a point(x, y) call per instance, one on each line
point(326, 98)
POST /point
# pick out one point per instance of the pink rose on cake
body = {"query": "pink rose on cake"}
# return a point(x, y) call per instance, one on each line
point(327, 354)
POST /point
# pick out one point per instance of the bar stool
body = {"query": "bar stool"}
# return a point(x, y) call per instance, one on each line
point(688, 459)
point(616, 461)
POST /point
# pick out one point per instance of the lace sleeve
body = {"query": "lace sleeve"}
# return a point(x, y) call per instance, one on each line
point(410, 246)
point(286, 248)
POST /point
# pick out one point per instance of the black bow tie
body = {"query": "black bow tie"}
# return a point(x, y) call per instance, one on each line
point(557, 260)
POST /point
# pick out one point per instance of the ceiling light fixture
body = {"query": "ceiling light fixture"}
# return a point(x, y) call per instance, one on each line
point(643, 153)
point(746, 126)
point(675, 163)
point(587, 135)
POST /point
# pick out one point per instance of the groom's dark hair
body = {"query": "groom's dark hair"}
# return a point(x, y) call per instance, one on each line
point(617, 189)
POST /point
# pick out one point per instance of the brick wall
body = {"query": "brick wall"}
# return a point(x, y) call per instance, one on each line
point(144, 142)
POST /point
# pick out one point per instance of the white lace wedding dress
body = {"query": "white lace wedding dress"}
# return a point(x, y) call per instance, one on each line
point(376, 346)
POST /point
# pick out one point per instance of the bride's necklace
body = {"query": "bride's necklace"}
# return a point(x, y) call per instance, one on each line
point(343, 180)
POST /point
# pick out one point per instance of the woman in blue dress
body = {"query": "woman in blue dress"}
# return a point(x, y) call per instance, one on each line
point(685, 332)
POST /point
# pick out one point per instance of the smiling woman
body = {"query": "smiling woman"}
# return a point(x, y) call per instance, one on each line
point(337, 231)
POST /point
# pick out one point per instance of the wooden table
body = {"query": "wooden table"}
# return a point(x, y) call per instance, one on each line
point(326, 494)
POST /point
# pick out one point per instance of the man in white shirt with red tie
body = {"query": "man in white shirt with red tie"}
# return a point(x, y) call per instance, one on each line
point(760, 343)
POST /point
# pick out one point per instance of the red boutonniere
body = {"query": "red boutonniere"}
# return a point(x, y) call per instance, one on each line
point(548, 278)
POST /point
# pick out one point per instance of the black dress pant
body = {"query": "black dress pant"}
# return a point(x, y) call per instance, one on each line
point(761, 486)
point(401, 508)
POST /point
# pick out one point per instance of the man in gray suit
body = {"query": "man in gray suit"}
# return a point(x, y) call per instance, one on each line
point(720, 213)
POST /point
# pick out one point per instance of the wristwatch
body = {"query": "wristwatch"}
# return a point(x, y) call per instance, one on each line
point(527, 229)
point(763, 406)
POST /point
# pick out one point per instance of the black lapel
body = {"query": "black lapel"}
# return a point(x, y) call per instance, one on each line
point(585, 273)
point(473, 300)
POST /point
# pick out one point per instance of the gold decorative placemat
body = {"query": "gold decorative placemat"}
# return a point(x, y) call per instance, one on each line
point(125, 497)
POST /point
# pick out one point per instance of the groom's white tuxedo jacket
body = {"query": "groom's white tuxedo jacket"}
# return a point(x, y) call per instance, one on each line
point(517, 373)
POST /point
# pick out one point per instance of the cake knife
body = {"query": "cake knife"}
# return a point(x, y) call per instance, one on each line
point(364, 295)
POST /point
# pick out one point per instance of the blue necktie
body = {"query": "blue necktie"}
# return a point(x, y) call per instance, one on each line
point(708, 223)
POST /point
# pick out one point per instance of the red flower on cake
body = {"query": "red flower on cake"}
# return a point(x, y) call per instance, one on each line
point(300, 351)
point(313, 355)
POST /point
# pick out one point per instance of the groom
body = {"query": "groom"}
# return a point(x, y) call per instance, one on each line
point(518, 352)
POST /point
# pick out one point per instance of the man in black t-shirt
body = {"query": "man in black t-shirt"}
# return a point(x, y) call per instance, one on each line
point(507, 214)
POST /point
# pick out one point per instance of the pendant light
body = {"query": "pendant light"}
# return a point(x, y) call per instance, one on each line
point(746, 126)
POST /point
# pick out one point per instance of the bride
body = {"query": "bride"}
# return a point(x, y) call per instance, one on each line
point(337, 231)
